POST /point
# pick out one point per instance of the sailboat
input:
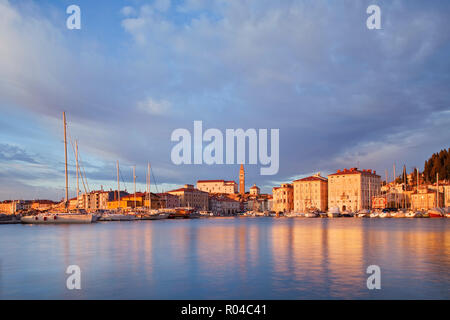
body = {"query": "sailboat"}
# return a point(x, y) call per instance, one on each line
point(60, 217)
point(152, 214)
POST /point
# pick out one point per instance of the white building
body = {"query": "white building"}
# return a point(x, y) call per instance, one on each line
point(217, 186)
point(352, 189)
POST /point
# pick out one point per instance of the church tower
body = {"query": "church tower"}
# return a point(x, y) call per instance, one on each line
point(242, 180)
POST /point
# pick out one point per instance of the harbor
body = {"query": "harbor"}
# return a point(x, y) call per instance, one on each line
point(228, 258)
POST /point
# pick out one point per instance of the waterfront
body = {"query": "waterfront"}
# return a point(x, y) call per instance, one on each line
point(228, 258)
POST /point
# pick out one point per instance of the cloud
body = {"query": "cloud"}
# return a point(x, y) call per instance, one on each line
point(154, 107)
point(128, 11)
point(14, 153)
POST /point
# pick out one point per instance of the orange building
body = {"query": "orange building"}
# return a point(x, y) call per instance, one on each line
point(283, 198)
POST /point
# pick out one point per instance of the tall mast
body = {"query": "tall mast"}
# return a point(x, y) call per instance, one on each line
point(370, 194)
point(395, 188)
point(437, 190)
point(118, 186)
point(76, 157)
point(65, 157)
point(134, 180)
point(149, 194)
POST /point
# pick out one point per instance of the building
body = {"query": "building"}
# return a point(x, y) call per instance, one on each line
point(242, 180)
point(217, 186)
point(192, 197)
point(447, 196)
point(255, 191)
point(14, 206)
point(311, 193)
point(171, 201)
point(223, 205)
point(97, 200)
point(283, 198)
point(42, 205)
point(353, 189)
point(425, 199)
point(138, 200)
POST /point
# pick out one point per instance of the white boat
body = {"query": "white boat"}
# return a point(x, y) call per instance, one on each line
point(333, 212)
point(412, 214)
point(399, 214)
point(311, 215)
point(363, 213)
point(116, 217)
point(259, 214)
point(385, 215)
point(374, 215)
point(58, 218)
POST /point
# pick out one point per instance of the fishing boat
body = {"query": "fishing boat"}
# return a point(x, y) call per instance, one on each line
point(205, 213)
point(333, 212)
point(374, 215)
point(399, 214)
point(413, 214)
point(385, 214)
point(311, 215)
point(436, 213)
point(61, 217)
point(364, 213)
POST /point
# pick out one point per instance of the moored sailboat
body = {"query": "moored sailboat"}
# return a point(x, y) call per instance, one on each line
point(60, 217)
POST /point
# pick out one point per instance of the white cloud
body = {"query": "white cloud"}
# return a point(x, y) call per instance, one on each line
point(128, 11)
point(154, 107)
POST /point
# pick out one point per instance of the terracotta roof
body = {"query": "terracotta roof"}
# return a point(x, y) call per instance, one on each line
point(312, 178)
point(208, 181)
point(186, 190)
point(354, 171)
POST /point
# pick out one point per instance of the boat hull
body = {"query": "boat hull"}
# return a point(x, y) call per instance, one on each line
point(58, 219)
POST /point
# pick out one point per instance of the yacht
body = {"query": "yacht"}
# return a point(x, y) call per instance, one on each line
point(333, 212)
point(61, 217)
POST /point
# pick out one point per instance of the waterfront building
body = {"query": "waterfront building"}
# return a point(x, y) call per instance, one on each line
point(170, 200)
point(242, 180)
point(255, 191)
point(353, 189)
point(14, 206)
point(138, 200)
point(283, 198)
point(223, 205)
point(217, 186)
point(42, 205)
point(98, 199)
point(425, 199)
point(191, 197)
point(311, 193)
point(447, 196)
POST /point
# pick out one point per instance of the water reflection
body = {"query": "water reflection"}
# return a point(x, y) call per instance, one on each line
point(229, 258)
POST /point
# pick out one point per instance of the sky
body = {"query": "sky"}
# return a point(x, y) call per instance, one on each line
point(340, 94)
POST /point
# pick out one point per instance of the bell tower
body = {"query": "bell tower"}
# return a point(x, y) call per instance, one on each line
point(242, 180)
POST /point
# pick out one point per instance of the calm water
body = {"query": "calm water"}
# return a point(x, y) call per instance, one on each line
point(228, 258)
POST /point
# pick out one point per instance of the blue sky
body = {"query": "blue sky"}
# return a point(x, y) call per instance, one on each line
point(341, 95)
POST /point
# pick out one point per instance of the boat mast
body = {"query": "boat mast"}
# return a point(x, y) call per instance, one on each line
point(134, 180)
point(149, 195)
point(395, 188)
point(437, 190)
point(76, 157)
point(118, 186)
point(65, 157)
